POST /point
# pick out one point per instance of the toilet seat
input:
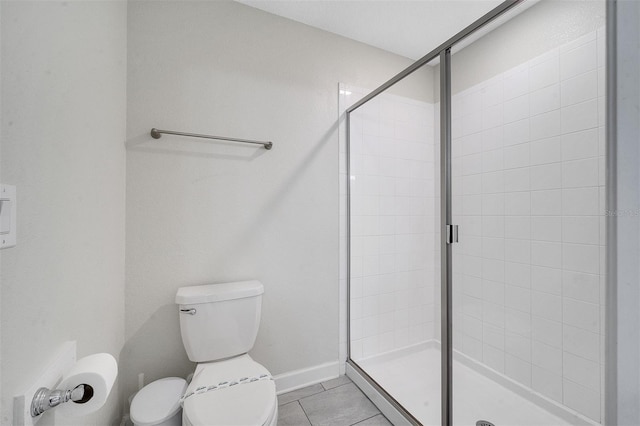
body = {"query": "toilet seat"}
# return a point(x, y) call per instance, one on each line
point(246, 404)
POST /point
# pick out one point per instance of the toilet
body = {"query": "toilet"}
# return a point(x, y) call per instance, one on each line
point(219, 324)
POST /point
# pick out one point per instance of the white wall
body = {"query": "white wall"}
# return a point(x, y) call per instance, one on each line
point(203, 212)
point(63, 128)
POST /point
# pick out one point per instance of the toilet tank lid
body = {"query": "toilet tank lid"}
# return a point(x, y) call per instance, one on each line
point(218, 292)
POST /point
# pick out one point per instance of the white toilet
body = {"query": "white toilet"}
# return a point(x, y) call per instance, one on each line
point(219, 324)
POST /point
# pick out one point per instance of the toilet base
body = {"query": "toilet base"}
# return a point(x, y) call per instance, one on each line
point(273, 420)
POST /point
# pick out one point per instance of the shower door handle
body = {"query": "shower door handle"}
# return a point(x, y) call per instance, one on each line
point(452, 234)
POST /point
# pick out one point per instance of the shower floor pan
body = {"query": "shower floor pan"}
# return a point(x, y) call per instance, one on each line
point(412, 377)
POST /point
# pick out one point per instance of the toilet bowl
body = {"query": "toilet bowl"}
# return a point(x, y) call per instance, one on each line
point(233, 392)
point(219, 324)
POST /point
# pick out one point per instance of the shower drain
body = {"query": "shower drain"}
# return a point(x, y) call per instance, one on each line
point(484, 423)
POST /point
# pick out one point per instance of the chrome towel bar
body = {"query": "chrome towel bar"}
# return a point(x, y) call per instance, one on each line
point(157, 133)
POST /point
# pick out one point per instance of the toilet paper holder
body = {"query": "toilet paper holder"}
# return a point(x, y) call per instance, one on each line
point(44, 398)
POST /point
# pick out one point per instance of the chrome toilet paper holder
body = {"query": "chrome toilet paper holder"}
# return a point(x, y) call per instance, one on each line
point(45, 399)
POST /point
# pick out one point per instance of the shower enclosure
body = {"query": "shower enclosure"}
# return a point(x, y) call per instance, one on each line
point(475, 224)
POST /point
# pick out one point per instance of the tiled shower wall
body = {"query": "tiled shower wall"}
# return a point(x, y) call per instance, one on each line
point(528, 186)
point(392, 224)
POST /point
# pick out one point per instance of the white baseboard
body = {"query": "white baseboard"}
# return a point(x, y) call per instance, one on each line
point(292, 380)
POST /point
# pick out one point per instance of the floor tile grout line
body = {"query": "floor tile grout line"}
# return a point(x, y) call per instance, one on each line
point(368, 418)
point(335, 387)
point(305, 396)
point(304, 412)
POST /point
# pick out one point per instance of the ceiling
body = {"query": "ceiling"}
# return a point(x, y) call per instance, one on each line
point(410, 28)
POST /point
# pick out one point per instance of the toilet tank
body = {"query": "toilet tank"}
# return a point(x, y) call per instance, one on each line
point(219, 321)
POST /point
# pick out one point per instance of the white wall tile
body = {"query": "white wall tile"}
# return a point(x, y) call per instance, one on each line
point(516, 156)
point(546, 151)
point(581, 342)
point(492, 116)
point(548, 280)
point(581, 399)
point(581, 314)
point(492, 226)
point(492, 94)
point(517, 132)
point(545, 125)
point(472, 123)
point(516, 82)
point(517, 179)
point(493, 291)
point(493, 204)
point(518, 345)
point(547, 306)
point(580, 201)
point(546, 202)
point(580, 173)
point(517, 227)
point(578, 60)
point(581, 229)
point(580, 88)
point(518, 369)
point(493, 357)
point(517, 203)
point(492, 138)
point(579, 145)
point(546, 254)
point(545, 99)
point(493, 314)
point(581, 371)
point(546, 228)
point(493, 270)
point(547, 176)
point(517, 274)
point(492, 160)
point(547, 331)
point(493, 182)
point(581, 258)
point(493, 248)
point(547, 383)
point(516, 109)
point(580, 116)
point(517, 250)
point(545, 73)
point(518, 298)
point(547, 357)
point(581, 286)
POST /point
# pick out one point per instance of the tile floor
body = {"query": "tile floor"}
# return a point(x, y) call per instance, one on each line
point(336, 402)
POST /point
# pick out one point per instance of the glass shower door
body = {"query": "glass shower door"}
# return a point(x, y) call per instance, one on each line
point(394, 243)
point(528, 196)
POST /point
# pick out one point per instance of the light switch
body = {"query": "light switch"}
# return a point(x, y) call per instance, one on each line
point(7, 216)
